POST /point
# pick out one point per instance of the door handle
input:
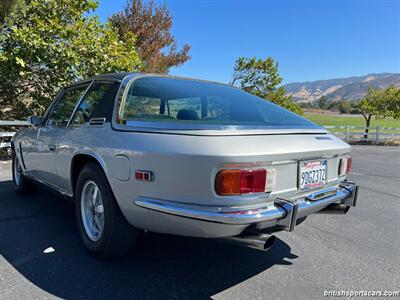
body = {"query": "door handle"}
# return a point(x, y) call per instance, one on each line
point(52, 147)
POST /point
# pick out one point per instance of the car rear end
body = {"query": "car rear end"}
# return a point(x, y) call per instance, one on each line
point(225, 175)
point(239, 182)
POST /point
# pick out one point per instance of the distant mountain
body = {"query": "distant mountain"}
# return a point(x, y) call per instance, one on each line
point(341, 88)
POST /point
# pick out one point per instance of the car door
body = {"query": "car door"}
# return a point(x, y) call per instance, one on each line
point(96, 106)
point(43, 152)
point(29, 144)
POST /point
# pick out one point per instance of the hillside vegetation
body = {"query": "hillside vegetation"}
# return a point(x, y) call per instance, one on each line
point(350, 88)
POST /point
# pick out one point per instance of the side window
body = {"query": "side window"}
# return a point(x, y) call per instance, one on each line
point(95, 97)
point(63, 109)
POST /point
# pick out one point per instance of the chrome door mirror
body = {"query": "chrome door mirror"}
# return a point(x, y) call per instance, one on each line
point(34, 120)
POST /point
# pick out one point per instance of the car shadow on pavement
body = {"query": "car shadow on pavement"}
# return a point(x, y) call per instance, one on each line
point(161, 266)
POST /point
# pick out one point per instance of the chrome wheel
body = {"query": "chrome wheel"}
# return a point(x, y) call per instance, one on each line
point(17, 172)
point(92, 210)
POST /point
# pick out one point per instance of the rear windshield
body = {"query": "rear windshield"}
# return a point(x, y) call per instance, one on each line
point(182, 101)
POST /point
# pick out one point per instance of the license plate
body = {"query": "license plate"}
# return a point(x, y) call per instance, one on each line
point(312, 174)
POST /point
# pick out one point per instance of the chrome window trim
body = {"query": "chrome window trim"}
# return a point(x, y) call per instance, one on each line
point(84, 96)
point(50, 107)
point(195, 129)
point(58, 95)
point(45, 123)
point(79, 103)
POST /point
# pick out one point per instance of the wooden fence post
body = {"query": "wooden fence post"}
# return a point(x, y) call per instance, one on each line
point(346, 137)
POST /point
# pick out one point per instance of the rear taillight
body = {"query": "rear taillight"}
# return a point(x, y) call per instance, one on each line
point(348, 165)
point(237, 182)
point(345, 165)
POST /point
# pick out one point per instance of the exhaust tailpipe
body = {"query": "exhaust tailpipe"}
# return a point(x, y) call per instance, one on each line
point(335, 208)
point(259, 241)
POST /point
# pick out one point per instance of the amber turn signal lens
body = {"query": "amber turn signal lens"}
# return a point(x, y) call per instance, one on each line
point(237, 182)
point(228, 182)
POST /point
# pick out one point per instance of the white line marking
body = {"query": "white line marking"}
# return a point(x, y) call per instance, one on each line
point(355, 173)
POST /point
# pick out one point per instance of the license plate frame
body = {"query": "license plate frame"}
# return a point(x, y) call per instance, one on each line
point(312, 167)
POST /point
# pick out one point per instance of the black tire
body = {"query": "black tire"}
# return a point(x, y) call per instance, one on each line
point(118, 236)
point(22, 185)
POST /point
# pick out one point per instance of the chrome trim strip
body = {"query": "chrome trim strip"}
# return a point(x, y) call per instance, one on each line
point(225, 218)
point(276, 163)
point(309, 207)
point(276, 212)
point(53, 187)
point(315, 196)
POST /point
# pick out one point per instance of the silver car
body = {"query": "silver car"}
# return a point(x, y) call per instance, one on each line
point(139, 152)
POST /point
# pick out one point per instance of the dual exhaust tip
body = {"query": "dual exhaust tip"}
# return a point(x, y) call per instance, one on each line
point(264, 242)
point(258, 241)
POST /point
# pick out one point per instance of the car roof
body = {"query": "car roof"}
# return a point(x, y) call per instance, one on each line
point(110, 76)
point(113, 76)
point(121, 75)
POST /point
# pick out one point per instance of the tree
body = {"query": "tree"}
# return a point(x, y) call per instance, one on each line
point(307, 105)
point(323, 103)
point(380, 103)
point(52, 43)
point(393, 102)
point(151, 24)
point(261, 78)
point(344, 107)
point(355, 107)
point(7, 7)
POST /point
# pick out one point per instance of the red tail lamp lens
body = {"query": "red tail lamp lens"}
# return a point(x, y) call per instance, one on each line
point(236, 182)
point(348, 165)
point(345, 165)
point(253, 181)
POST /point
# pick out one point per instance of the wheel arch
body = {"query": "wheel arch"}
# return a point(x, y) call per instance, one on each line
point(77, 163)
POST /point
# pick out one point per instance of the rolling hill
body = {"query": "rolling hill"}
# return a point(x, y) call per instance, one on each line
point(340, 88)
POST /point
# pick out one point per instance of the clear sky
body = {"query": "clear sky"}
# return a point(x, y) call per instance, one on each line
point(311, 39)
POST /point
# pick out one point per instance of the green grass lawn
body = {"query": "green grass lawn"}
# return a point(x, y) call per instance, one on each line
point(337, 120)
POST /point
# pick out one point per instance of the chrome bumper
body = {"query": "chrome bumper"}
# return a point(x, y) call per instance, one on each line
point(283, 212)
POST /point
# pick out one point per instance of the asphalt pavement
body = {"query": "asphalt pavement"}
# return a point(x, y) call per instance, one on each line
point(41, 256)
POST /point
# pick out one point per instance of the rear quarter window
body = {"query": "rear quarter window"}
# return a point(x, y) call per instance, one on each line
point(97, 103)
point(62, 110)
